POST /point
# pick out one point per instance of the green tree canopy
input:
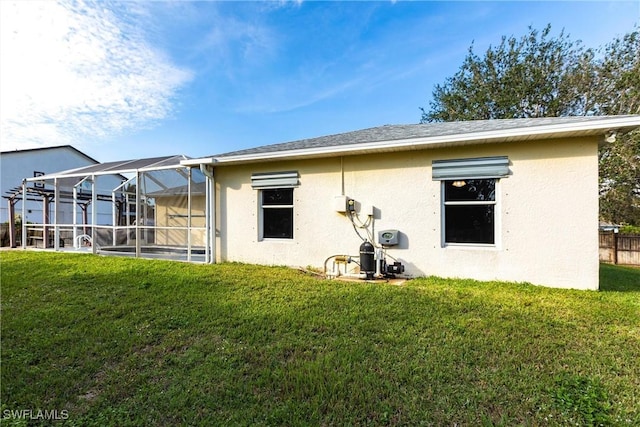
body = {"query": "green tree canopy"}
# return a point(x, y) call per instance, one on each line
point(538, 75)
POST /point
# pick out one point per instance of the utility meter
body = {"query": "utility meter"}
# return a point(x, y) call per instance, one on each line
point(344, 204)
point(388, 237)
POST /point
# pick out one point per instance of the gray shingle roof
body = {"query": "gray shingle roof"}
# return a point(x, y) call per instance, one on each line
point(412, 131)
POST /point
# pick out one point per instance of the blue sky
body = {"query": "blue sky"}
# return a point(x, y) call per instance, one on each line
point(122, 80)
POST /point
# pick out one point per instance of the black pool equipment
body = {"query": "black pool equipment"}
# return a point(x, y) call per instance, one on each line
point(389, 271)
point(367, 259)
point(393, 269)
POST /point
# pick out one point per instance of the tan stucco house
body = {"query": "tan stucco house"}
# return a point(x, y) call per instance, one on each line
point(510, 200)
point(513, 200)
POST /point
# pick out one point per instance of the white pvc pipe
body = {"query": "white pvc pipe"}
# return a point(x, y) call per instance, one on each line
point(94, 215)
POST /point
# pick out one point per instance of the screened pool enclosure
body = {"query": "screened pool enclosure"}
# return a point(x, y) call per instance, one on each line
point(149, 208)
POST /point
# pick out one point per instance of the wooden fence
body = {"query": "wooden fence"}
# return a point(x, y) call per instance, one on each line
point(618, 248)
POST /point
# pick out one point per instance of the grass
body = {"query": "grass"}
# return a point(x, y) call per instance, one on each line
point(118, 341)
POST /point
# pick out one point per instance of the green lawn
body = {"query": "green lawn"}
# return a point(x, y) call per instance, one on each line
point(118, 341)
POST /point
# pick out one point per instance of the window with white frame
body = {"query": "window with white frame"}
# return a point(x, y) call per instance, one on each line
point(469, 202)
point(277, 213)
point(275, 196)
point(469, 211)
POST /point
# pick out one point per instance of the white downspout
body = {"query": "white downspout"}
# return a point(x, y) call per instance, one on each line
point(207, 198)
point(94, 215)
point(210, 214)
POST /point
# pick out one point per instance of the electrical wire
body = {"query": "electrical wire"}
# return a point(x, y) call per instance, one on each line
point(355, 228)
point(363, 225)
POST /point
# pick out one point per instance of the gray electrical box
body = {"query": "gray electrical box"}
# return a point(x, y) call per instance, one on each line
point(388, 237)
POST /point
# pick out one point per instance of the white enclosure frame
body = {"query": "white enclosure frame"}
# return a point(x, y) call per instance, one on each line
point(134, 177)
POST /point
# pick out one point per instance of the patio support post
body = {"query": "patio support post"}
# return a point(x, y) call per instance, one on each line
point(12, 222)
point(56, 214)
point(114, 217)
point(128, 217)
point(124, 209)
point(24, 213)
point(45, 222)
point(85, 217)
point(94, 215)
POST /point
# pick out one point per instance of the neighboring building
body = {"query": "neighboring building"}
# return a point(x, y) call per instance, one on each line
point(20, 164)
point(605, 226)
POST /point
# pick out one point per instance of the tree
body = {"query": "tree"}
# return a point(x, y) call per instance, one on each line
point(541, 76)
point(526, 77)
point(618, 92)
point(618, 76)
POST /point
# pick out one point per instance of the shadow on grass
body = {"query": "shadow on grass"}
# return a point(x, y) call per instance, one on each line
point(617, 278)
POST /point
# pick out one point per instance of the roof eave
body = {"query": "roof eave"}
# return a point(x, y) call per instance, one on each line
point(597, 128)
point(198, 161)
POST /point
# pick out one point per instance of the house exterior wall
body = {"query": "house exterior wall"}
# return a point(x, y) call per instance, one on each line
point(171, 218)
point(547, 213)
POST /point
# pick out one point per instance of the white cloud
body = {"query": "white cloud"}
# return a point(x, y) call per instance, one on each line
point(74, 71)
